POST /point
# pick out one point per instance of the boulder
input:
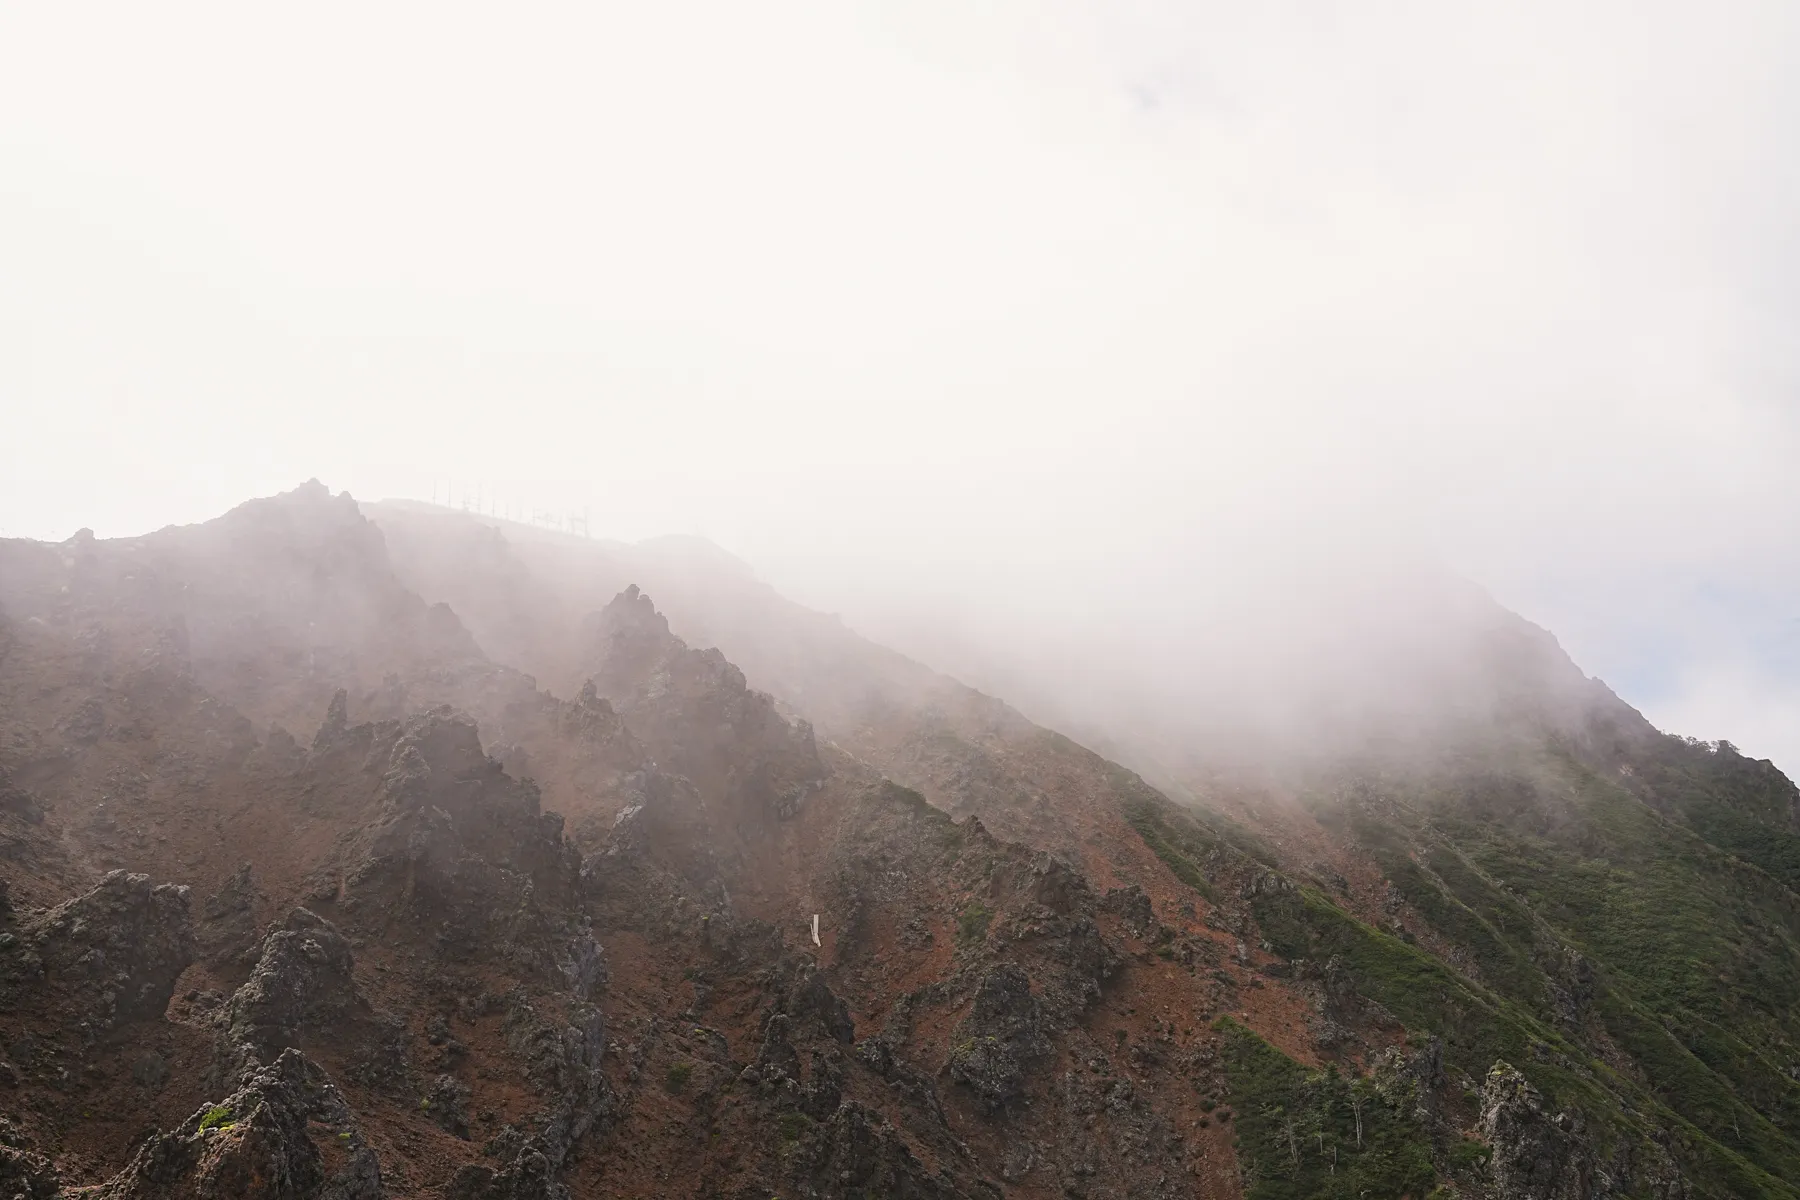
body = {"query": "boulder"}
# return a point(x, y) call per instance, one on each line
point(259, 1143)
point(303, 979)
point(116, 951)
point(1537, 1155)
point(1004, 1032)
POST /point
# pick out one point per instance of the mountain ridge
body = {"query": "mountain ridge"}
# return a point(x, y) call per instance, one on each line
point(567, 943)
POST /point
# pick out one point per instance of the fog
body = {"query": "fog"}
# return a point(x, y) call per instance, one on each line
point(1080, 338)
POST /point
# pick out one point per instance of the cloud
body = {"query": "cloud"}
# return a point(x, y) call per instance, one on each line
point(1014, 308)
point(1736, 701)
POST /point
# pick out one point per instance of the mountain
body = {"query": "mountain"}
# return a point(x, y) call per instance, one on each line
point(382, 850)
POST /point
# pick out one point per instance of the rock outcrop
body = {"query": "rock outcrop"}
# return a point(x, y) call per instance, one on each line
point(304, 980)
point(699, 718)
point(563, 1062)
point(1055, 972)
point(227, 931)
point(112, 954)
point(284, 1134)
point(855, 1154)
point(1004, 1033)
point(27, 1176)
point(1537, 1154)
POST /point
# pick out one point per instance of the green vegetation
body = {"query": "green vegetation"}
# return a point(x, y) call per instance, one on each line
point(678, 1076)
point(1306, 1134)
point(1742, 806)
point(1647, 909)
point(1184, 867)
point(1468, 1155)
point(217, 1117)
point(912, 803)
point(794, 1126)
point(1594, 903)
point(1696, 952)
point(1193, 843)
point(972, 922)
point(1477, 1026)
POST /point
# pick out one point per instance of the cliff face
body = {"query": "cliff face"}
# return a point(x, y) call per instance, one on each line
point(313, 890)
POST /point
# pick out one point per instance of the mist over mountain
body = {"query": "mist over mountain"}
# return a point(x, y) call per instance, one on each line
point(982, 319)
point(1319, 655)
point(1048, 600)
point(364, 850)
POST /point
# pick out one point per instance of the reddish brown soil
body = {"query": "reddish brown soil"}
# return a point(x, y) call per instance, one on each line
point(139, 683)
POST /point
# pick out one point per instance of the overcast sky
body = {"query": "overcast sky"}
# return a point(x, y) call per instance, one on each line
point(960, 306)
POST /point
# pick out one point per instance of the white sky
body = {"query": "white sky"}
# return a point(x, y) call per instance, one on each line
point(969, 306)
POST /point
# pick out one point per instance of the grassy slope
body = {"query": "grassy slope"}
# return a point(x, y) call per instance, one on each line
point(1326, 1134)
point(1602, 924)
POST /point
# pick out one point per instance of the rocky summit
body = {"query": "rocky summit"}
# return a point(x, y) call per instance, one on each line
point(383, 851)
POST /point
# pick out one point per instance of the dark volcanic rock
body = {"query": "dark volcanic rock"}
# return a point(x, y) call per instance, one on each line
point(1004, 1032)
point(1416, 1078)
point(228, 925)
point(1081, 960)
point(304, 979)
point(528, 1175)
point(27, 1176)
point(447, 1103)
point(1059, 887)
point(856, 1154)
point(17, 800)
point(336, 723)
point(699, 718)
point(464, 841)
point(562, 1061)
point(810, 999)
point(116, 950)
point(1338, 1009)
point(1133, 906)
point(258, 1144)
point(1537, 1155)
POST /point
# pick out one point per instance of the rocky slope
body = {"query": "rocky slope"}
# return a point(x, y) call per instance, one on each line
point(313, 890)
